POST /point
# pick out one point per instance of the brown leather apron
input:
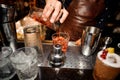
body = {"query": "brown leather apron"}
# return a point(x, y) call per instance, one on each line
point(81, 13)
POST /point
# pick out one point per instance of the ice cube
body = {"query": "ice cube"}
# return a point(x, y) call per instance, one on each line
point(4, 62)
point(6, 69)
point(6, 51)
point(22, 67)
point(18, 57)
point(23, 60)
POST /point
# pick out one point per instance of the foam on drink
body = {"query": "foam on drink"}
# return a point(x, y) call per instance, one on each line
point(112, 60)
point(107, 66)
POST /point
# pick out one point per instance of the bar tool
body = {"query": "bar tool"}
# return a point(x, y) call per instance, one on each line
point(7, 25)
point(90, 39)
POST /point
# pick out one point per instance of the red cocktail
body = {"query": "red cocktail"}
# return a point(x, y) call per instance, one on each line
point(62, 39)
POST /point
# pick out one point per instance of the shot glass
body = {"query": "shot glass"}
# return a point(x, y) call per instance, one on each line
point(25, 61)
point(32, 39)
point(6, 69)
point(62, 39)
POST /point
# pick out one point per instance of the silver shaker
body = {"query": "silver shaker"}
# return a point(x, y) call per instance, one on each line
point(90, 39)
point(7, 26)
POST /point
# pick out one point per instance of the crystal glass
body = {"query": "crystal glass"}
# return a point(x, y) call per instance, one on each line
point(62, 39)
point(25, 61)
point(6, 69)
point(32, 39)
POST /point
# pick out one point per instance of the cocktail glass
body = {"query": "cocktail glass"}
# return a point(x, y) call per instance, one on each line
point(24, 60)
point(6, 69)
point(62, 39)
point(107, 69)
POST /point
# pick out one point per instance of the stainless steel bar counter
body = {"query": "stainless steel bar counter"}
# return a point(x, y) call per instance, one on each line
point(74, 57)
point(77, 66)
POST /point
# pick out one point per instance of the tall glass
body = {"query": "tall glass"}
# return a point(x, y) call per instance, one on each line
point(25, 61)
point(62, 39)
point(32, 39)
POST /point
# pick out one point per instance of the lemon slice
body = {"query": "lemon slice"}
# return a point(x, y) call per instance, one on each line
point(111, 50)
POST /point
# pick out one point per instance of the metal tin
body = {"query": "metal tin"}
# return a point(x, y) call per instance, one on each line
point(90, 40)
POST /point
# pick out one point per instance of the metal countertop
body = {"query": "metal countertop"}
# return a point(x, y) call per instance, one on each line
point(74, 57)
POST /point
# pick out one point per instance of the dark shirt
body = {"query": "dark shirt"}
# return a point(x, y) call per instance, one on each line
point(41, 3)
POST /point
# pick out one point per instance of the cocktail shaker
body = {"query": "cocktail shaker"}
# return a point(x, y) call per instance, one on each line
point(90, 39)
point(7, 26)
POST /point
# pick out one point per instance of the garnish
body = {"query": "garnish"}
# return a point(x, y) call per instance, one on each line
point(110, 50)
point(104, 54)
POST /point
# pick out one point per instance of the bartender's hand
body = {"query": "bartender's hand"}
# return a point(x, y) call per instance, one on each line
point(55, 11)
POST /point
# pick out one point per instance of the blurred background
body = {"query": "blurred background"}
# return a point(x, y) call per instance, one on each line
point(109, 20)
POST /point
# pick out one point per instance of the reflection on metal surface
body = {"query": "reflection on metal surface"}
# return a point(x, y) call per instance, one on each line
point(74, 58)
point(118, 45)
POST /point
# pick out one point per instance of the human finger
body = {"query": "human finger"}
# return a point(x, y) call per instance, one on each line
point(49, 8)
point(64, 15)
point(59, 16)
point(56, 11)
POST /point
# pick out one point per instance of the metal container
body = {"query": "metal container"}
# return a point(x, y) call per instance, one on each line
point(90, 40)
point(7, 25)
